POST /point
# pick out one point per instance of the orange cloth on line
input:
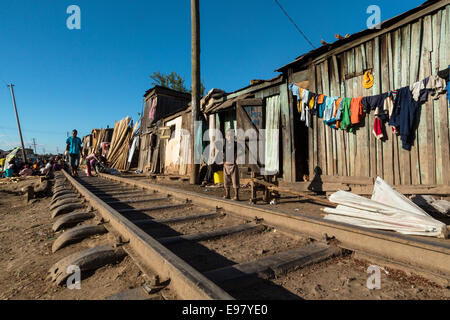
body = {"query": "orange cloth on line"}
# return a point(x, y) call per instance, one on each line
point(336, 106)
point(300, 100)
point(356, 110)
point(321, 98)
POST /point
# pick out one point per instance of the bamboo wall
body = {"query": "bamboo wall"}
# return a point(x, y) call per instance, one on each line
point(398, 58)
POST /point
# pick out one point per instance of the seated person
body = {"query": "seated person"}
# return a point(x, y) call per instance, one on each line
point(9, 172)
point(26, 171)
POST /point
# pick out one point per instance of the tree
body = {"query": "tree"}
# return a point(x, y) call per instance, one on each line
point(173, 81)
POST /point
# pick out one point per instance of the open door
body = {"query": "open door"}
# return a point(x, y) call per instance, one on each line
point(250, 115)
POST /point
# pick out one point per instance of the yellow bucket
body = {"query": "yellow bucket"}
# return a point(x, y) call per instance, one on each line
point(218, 177)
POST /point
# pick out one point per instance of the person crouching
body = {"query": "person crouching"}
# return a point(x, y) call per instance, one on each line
point(91, 161)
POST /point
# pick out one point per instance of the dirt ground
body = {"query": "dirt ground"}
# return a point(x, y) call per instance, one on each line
point(26, 239)
point(340, 278)
point(25, 257)
point(288, 203)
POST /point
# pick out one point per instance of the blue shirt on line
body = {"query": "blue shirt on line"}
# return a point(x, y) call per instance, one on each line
point(74, 145)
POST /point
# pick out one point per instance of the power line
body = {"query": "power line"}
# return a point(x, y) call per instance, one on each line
point(301, 32)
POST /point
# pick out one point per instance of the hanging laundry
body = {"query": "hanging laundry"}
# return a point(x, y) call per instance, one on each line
point(373, 102)
point(357, 113)
point(445, 74)
point(312, 97)
point(437, 86)
point(321, 106)
point(335, 107)
point(388, 105)
point(295, 90)
point(338, 114)
point(404, 116)
point(321, 99)
point(419, 90)
point(314, 109)
point(377, 129)
point(346, 123)
point(329, 109)
point(304, 107)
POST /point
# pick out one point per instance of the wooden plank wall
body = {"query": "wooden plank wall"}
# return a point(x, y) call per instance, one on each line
point(398, 59)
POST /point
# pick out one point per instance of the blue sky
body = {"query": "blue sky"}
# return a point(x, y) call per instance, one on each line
point(89, 78)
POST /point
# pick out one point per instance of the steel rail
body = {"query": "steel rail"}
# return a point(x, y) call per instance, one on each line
point(430, 255)
point(187, 282)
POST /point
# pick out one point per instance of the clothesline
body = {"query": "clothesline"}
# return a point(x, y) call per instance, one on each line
point(398, 107)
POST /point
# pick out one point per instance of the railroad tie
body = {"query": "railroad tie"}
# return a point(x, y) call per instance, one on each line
point(133, 201)
point(213, 234)
point(143, 223)
point(172, 206)
point(279, 264)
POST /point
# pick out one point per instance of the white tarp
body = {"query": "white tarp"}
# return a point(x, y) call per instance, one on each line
point(386, 210)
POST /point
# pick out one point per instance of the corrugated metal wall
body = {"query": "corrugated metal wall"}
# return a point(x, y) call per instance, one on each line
point(398, 58)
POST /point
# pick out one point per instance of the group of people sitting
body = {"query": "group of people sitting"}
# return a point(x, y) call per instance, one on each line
point(45, 167)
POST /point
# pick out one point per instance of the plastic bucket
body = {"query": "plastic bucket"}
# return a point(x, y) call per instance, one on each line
point(218, 177)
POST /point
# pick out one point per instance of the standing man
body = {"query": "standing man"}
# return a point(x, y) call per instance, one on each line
point(230, 167)
point(74, 145)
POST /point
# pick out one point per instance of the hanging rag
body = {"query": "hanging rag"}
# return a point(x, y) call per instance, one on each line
point(419, 90)
point(368, 79)
point(377, 130)
point(445, 74)
point(437, 86)
point(357, 113)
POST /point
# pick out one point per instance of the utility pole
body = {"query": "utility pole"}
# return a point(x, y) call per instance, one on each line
point(11, 87)
point(195, 65)
point(34, 144)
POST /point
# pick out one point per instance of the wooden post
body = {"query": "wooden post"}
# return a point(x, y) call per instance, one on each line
point(253, 189)
point(11, 87)
point(195, 63)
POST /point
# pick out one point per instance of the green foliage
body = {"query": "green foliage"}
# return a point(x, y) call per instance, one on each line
point(173, 81)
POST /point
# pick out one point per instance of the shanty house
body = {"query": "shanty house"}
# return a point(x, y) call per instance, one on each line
point(162, 142)
point(262, 105)
point(404, 50)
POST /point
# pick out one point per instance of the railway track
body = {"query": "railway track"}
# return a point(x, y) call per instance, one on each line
point(208, 248)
